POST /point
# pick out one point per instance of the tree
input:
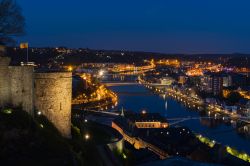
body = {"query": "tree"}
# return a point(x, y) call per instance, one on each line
point(234, 97)
point(12, 21)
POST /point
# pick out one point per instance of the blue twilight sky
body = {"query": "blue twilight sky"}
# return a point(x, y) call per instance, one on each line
point(169, 26)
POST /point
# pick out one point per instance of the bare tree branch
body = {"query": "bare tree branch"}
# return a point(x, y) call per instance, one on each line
point(12, 22)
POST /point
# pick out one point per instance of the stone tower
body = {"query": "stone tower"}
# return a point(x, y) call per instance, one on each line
point(53, 91)
point(48, 92)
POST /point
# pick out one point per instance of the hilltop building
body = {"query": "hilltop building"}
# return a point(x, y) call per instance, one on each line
point(47, 92)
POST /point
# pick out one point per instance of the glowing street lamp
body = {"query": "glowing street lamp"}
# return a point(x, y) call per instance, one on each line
point(86, 136)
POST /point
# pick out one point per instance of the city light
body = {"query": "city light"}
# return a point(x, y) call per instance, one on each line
point(87, 136)
point(66, 103)
point(101, 72)
point(70, 68)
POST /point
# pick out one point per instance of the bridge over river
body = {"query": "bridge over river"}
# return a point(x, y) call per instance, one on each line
point(135, 97)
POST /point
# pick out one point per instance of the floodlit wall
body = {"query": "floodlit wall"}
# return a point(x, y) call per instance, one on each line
point(48, 92)
point(4, 81)
point(53, 93)
point(21, 82)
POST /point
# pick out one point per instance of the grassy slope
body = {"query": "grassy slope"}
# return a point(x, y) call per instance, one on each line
point(24, 141)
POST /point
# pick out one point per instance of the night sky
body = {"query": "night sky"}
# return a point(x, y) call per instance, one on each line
point(169, 26)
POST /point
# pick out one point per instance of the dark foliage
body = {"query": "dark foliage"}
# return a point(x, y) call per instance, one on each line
point(28, 141)
point(11, 21)
point(233, 98)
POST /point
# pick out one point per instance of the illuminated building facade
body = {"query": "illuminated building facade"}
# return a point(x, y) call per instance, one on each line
point(146, 120)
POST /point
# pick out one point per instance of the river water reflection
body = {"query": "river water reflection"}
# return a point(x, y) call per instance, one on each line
point(137, 98)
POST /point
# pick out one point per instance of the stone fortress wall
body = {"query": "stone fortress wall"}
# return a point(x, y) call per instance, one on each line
point(47, 92)
point(21, 83)
point(53, 98)
point(4, 81)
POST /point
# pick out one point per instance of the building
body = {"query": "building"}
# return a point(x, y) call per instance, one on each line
point(216, 84)
point(212, 83)
point(166, 81)
point(132, 126)
point(205, 82)
point(244, 105)
point(182, 79)
point(48, 92)
point(248, 109)
point(146, 120)
point(227, 81)
point(151, 131)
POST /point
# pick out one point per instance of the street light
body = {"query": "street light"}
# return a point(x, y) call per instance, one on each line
point(86, 136)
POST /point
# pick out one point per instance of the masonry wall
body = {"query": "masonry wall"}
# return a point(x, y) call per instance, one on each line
point(21, 81)
point(53, 93)
point(48, 92)
point(4, 81)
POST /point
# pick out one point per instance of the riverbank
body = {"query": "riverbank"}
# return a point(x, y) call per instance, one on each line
point(137, 97)
point(92, 96)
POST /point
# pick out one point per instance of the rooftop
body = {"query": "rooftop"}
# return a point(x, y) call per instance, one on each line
point(144, 117)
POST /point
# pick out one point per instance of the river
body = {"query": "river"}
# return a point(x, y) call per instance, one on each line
point(137, 98)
